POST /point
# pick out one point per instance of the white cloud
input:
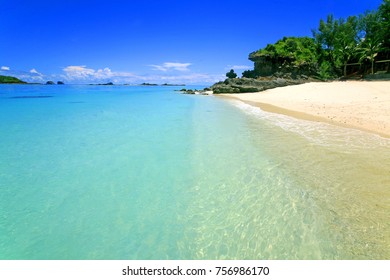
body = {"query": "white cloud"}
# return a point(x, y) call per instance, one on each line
point(78, 72)
point(238, 67)
point(82, 73)
point(34, 71)
point(193, 78)
point(31, 78)
point(28, 76)
point(158, 67)
point(167, 66)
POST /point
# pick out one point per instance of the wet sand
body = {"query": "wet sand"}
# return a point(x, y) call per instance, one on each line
point(356, 104)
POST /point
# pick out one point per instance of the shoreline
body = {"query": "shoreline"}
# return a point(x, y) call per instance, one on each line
point(363, 105)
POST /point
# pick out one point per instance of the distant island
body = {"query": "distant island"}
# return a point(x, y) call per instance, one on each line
point(148, 84)
point(10, 80)
point(169, 85)
point(106, 84)
point(53, 83)
point(13, 80)
point(174, 85)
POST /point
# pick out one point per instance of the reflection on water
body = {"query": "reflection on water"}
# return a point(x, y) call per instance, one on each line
point(315, 191)
point(146, 173)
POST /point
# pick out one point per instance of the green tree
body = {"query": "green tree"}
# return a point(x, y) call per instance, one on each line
point(231, 74)
point(338, 40)
point(325, 36)
point(344, 53)
point(346, 41)
point(384, 13)
point(370, 26)
point(335, 44)
point(369, 51)
point(249, 74)
point(298, 52)
point(375, 35)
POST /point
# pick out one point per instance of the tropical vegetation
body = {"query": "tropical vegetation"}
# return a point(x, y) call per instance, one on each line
point(231, 74)
point(357, 45)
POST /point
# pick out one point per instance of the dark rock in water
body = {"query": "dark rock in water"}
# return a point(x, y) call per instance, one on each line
point(50, 83)
point(148, 84)
point(60, 83)
point(31, 96)
point(174, 85)
point(195, 91)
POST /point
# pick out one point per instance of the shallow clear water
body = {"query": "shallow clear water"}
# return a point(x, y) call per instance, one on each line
point(95, 172)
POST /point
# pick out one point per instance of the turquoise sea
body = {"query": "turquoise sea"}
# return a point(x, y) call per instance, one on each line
point(126, 172)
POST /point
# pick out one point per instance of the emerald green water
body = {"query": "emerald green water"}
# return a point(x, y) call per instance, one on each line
point(147, 173)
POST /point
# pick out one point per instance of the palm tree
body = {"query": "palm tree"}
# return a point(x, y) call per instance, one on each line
point(369, 51)
point(346, 53)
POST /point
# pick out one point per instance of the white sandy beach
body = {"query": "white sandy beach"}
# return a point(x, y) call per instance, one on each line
point(362, 105)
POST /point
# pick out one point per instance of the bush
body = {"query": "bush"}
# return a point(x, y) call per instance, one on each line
point(326, 71)
point(249, 74)
point(231, 74)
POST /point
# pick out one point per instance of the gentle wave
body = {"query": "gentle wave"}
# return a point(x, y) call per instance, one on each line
point(317, 132)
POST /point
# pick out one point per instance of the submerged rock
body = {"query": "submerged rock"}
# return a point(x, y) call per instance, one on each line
point(205, 91)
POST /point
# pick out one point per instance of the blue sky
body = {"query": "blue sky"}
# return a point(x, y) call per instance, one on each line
point(192, 42)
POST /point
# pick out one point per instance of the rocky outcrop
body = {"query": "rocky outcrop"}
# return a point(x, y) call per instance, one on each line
point(255, 85)
point(265, 66)
point(50, 83)
point(291, 55)
point(205, 91)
